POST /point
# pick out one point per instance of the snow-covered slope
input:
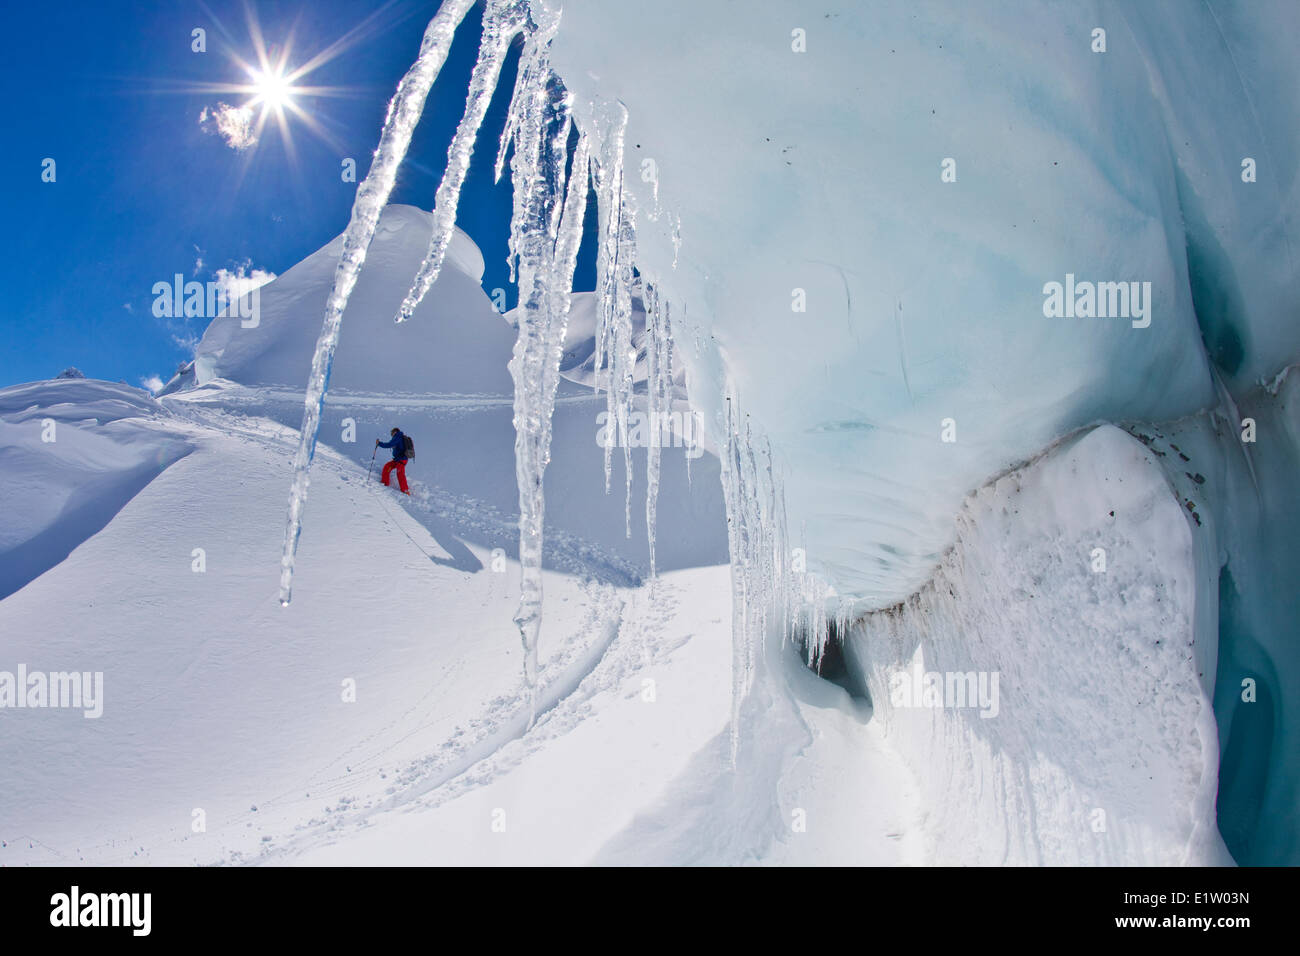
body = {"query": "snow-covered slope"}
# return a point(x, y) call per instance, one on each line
point(218, 700)
point(72, 453)
point(453, 343)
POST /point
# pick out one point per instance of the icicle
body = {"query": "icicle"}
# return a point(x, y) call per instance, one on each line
point(525, 74)
point(372, 195)
point(502, 22)
point(659, 402)
point(544, 246)
point(623, 366)
point(654, 411)
point(778, 554)
point(779, 579)
point(566, 257)
point(767, 591)
point(758, 566)
point(534, 74)
point(608, 177)
point(734, 493)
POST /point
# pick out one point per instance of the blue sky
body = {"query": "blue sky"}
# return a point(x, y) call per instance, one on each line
point(110, 92)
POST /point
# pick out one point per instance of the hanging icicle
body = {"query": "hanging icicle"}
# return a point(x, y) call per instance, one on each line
point(659, 402)
point(544, 239)
point(502, 22)
point(608, 177)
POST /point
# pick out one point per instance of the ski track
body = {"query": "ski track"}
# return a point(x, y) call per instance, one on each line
point(501, 740)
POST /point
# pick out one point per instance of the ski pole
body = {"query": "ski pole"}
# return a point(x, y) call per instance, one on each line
point(372, 461)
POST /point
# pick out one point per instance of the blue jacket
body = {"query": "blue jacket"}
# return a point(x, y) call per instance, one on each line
point(398, 445)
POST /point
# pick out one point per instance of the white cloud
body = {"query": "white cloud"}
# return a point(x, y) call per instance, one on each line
point(235, 285)
point(234, 124)
point(152, 383)
point(128, 307)
point(185, 339)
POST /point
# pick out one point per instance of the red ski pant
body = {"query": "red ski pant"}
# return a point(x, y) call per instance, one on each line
point(401, 474)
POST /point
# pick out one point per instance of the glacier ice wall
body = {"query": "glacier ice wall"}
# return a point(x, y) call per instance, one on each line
point(1045, 685)
point(1241, 508)
point(821, 250)
point(857, 211)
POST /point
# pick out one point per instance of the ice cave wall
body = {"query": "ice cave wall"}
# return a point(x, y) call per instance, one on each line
point(858, 209)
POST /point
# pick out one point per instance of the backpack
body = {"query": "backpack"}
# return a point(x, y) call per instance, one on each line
point(408, 448)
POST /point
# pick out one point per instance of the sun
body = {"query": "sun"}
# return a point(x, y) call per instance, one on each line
point(272, 89)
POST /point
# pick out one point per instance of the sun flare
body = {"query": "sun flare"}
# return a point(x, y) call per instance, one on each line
point(272, 89)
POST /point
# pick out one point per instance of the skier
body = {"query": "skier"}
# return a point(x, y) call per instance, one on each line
point(398, 444)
